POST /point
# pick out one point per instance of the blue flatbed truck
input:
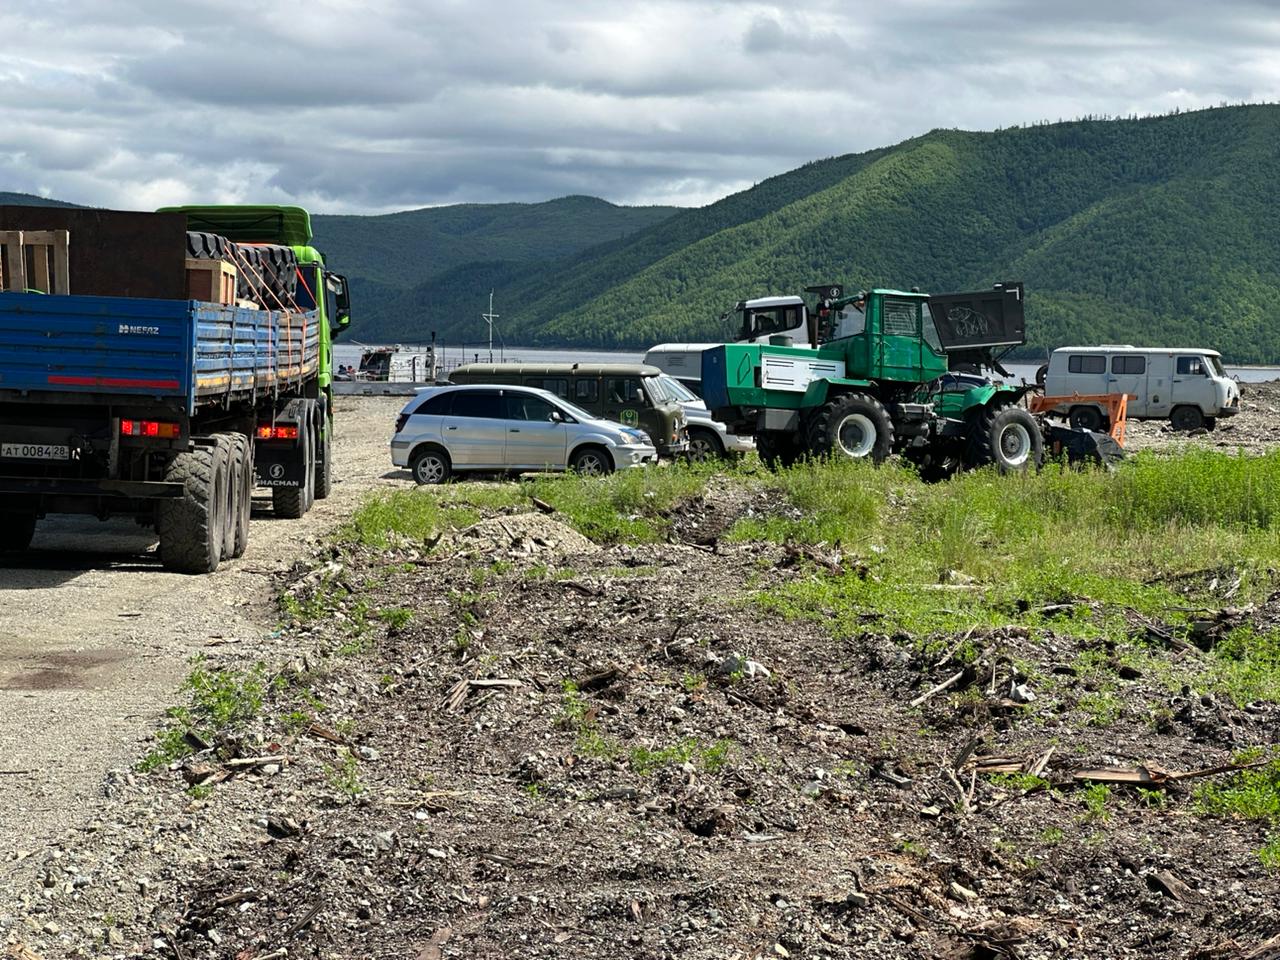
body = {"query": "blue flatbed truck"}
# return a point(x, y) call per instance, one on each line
point(168, 410)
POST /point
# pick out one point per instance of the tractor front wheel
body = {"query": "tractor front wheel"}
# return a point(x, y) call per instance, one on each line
point(1010, 438)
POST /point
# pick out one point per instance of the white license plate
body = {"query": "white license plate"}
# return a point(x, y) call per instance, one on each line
point(35, 451)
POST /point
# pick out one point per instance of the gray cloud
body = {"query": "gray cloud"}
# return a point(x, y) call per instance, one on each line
point(361, 106)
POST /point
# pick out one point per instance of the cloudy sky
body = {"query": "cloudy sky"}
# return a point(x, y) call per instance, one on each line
point(377, 105)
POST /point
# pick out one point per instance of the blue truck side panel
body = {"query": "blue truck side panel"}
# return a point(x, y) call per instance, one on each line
point(182, 350)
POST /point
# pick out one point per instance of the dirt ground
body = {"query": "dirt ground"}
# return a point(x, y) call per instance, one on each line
point(95, 636)
point(570, 751)
point(1255, 429)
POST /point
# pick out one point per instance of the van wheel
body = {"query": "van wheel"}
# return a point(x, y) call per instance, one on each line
point(1042, 374)
point(430, 465)
point(704, 446)
point(1186, 419)
point(591, 462)
point(1085, 418)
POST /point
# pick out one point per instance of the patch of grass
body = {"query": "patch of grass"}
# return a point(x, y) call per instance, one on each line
point(1269, 852)
point(1096, 796)
point(914, 848)
point(1246, 795)
point(712, 758)
point(1019, 781)
point(1101, 708)
point(1052, 836)
point(418, 515)
point(218, 702)
point(396, 618)
point(631, 506)
point(988, 551)
point(345, 777)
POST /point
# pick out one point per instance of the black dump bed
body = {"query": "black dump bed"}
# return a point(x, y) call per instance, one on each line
point(982, 325)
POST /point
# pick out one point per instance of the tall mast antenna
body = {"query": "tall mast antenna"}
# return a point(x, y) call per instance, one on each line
point(489, 318)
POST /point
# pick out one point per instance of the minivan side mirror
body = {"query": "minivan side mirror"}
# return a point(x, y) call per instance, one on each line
point(556, 417)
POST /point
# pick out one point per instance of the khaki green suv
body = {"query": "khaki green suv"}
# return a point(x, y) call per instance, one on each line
point(626, 393)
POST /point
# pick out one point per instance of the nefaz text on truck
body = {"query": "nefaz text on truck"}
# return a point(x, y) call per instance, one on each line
point(161, 366)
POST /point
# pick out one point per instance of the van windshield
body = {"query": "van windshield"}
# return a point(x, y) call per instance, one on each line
point(1216, 363)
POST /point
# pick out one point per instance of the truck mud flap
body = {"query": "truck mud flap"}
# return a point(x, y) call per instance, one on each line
point(278, 466)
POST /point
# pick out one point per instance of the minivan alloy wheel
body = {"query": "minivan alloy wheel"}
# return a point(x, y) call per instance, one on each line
point(430, 468)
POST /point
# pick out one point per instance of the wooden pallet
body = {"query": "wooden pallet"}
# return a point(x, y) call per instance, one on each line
point(211, 281)
point(49, 269)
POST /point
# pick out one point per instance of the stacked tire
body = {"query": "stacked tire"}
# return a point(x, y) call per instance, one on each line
point(266, 273)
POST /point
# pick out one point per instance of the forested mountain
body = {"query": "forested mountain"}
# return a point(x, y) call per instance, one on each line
point(1159, 230)
point(385, 256)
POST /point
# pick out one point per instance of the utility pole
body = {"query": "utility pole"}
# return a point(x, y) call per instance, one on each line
point(489, 318)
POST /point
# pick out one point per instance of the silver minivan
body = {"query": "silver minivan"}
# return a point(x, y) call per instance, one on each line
point(444, 430)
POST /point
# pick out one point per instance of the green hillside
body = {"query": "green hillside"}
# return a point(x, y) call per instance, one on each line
point(1152, 230)
point(387, 255)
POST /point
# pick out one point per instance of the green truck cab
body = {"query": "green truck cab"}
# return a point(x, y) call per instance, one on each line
point(885, 371)
point(318, 289)
point(627, 393)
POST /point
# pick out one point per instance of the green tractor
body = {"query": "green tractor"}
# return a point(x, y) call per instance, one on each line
point(884, 372)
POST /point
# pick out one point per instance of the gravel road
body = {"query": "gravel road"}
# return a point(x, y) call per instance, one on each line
point(95, 637)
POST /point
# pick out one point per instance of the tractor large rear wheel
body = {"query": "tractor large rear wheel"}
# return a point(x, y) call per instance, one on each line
point(854, 425)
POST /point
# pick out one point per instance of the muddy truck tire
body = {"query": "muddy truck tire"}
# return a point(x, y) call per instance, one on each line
point(854, 425)
point(242, 487)
point(192, 529)
point(324, 462)
point(291, 503)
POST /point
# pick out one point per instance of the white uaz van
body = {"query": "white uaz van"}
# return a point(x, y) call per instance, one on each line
point(1189, 388)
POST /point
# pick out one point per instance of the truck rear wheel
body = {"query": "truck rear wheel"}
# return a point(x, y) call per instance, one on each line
point(242, 483)
point(324, 462)
point(293, 502)
point(192, 528)
point(854, 425)
point(16, 531)
point(1010, 438)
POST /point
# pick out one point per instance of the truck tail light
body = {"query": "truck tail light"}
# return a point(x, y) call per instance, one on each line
point(153, 429)
point(277, 432)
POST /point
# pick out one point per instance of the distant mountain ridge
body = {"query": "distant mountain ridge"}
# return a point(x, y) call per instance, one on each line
point(1153, 231)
